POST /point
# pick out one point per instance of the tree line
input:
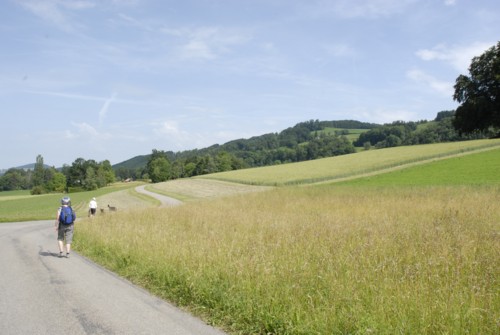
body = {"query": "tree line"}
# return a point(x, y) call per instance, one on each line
point(82, 175)
point(304, 141)
point(422, 132)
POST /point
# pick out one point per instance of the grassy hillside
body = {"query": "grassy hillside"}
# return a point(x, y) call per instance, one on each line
point(352, 134)
point(324, 259)
point(202, 189)
point(352, 165)
point(19, 205)
point(481, 168)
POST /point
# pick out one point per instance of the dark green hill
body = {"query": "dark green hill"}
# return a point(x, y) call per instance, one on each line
point(266, 149)
point(133, 163)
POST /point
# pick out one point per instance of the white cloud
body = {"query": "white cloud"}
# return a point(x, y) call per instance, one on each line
point(205, 43)
point(340, 50)
point(362, 8)
point(86, 131)
point(442, 87)
point(450, 2)
point(384, 115)
point(175, 138)
point(53, 11)
point(196, 50)
point(167, 128)
point(459, 57)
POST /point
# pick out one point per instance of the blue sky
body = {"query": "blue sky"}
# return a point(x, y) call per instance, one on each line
point(112, 79)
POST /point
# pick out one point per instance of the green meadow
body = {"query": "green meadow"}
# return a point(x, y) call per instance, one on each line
point(407, 244)
point(21, 206)
point(481, 168)
point(352, 135)
point(352, 165)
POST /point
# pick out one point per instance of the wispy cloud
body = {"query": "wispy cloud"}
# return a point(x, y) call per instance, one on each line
point(384, 115)
point(105, 107)
point(55, 12)
point(85, 130)
point(206, 43)
point(340, 50)
point(361, 8)
point(106, 101)
point(442, 87)
point(170, 132)
point(457, 56)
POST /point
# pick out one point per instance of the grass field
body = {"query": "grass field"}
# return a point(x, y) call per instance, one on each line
point(352, 165)
point(481, 168)
point(351, 136)
point(318, 260)
point(202, 189)
point(21, 206)
point(413, 251)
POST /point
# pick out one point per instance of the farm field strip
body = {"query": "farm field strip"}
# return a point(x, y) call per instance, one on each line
point(194, 189)
point(351, 165)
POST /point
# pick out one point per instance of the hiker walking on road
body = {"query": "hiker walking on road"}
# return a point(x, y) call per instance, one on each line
point(64, 225)
point(92, 207)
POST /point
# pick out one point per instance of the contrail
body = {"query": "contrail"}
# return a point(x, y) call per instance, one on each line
point(105, 107)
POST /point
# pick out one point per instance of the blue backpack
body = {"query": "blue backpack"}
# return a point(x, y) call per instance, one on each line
point(67, 215)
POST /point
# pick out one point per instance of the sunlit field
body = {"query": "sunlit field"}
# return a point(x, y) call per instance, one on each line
point(352, 165)
point(196, 189)
point(327, 259)
point(318, 260)
point(21, 206)
point(482, 168)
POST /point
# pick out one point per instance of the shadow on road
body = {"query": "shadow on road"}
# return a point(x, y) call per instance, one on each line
point(48, 254)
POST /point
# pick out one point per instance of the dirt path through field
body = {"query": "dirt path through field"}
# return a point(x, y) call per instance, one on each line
point(165, 201)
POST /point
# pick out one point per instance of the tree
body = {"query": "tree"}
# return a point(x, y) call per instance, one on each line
point(158, 166)
point(90, 182)
point(107, 172)
point(58, 182)
point(14, 179)
point(479, 94)
point(38, 173)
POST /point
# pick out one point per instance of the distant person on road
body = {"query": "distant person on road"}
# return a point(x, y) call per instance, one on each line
point(92, 207)
point(65, 223)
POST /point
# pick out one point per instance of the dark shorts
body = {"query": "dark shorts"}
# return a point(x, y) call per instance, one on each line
point(65, 232)
point(92, 211)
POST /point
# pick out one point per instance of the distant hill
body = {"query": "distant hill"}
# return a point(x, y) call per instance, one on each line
point(243, 147)
point(23, 167)
point(133, 163)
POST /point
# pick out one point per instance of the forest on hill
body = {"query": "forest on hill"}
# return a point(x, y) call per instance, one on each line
point(307, 140)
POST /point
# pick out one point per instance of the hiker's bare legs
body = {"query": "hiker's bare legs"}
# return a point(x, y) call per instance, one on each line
point(61, 246)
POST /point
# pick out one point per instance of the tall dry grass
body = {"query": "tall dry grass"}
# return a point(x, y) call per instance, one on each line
point(318, 260)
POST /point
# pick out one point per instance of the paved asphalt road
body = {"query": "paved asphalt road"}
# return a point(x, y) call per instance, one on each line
point(41, 293)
